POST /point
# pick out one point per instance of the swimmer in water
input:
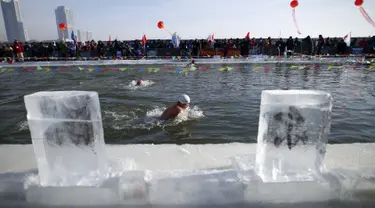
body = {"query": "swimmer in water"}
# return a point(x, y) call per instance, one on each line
point(139, 82)
point(191, 64)
point(183, 102)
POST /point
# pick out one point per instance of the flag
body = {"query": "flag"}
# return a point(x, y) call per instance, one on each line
point(74, 38)
point(176, 40)
point(211, 38)
point(347, 39)
point(247, 36)
point(110, 40)
point(144, 40)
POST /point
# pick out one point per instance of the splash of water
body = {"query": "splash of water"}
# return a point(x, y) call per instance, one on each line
point(190, 113)
point(130, 120)
point(118, 117)
point(145, 83)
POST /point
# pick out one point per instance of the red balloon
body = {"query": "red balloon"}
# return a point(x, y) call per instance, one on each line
point(62, 26)
point(358, 2)
point(160, 24)
point(294, 4)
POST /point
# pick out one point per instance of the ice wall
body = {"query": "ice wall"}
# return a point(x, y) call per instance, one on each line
point(293, 125)
point(67, 136)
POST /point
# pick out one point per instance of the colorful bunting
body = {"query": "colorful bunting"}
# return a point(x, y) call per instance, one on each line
point(256, 68)
point(180, 58)
point(191, 69)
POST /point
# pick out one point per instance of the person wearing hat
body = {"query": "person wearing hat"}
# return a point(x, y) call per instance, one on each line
point(183, 102)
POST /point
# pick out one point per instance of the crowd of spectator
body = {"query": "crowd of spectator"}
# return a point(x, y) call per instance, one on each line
point(307, 46)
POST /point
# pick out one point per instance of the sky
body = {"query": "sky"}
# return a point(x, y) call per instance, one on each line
point(130, 19)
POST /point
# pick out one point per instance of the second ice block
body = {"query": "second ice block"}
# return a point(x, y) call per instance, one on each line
point(67, 135)
point(293, 126)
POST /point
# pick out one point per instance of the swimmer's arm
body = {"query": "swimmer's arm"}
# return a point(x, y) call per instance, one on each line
point(175, 112)
point(167, 114)
point(172, 113)
point(164, 115)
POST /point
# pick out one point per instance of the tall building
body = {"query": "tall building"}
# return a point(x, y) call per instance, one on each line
point(85, 35)
point(64, 15)
point(13, 20)
point(79, 36)
point(26, 36)
point(3, 37)
point(89, 36)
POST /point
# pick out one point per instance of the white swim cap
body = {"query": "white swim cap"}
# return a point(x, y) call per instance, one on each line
point(184, 99)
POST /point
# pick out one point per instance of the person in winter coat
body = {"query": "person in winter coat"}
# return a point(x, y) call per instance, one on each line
point(18, 50)
point(290, 46)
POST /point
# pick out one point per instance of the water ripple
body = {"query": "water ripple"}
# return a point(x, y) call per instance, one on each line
point(227, 102)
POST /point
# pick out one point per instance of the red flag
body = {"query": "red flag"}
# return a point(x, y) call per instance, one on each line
point(144, 40)
point(211, 38)
point(110, 40)
point(248, 36)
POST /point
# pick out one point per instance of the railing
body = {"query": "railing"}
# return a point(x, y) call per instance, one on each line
point(177, 53)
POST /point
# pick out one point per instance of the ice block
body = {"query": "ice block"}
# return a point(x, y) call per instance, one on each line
point(67, 136)
point(200, 188)
point(71, 196)
point(292, 134)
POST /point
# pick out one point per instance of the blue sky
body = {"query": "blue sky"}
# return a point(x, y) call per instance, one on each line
point(129, 19)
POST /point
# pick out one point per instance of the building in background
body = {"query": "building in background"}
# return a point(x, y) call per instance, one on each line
point(84, 35)
point(89, 36)
point(26, 36)
point(3, 37)
point(64, 15)
point(13, 20)
point(79, 36)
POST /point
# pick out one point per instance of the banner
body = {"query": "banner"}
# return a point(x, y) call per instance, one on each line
point(118, 54)
point(168, 52)
point(219, 52)
point(357, 50)
point(186, 70)
point(152, 52)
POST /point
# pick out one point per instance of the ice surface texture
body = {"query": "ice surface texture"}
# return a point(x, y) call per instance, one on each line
point(65, 105)
point(293, 126)
point(67, 135)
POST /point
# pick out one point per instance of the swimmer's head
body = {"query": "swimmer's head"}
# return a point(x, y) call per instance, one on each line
point(183, 101)
point(193, 62)
point(139, 82)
